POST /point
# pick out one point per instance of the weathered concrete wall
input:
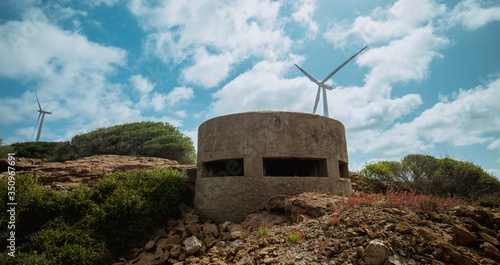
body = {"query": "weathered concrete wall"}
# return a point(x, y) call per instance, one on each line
point(232, 149)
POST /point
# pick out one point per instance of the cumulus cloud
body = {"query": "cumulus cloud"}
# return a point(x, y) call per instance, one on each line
point(385, 24)
point(473, 14)
point(69, 72)
point(303, 15)
point(264, 87)
point(141, 84)
point(208, 69)
point(222, 32)
point(464, 120)
point(160, 101)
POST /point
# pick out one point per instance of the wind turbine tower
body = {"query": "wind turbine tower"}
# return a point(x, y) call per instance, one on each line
point(42, 113)
point(323, 86)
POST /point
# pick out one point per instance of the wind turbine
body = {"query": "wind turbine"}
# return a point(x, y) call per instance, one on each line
point(42, 113)
point(325, 86)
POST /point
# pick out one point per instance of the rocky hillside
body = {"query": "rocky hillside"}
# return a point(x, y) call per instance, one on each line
point(63, 175)
point(309, 228)
point(326, 229)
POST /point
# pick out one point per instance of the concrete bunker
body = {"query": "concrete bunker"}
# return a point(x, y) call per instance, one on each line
point(247, 158)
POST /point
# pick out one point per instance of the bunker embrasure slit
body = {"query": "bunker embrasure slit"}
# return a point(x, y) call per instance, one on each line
point(343, 169)
point(295, 167)
point(224, 168)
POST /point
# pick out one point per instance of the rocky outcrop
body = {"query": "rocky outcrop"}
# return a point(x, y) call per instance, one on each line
point(342, 235)
point(87, 170)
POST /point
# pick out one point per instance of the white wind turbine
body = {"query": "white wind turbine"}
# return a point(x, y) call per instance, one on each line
point(325, 86)
point(42, 113)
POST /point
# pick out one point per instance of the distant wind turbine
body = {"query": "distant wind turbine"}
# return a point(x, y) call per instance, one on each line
point(325, 86)
point(42, 113)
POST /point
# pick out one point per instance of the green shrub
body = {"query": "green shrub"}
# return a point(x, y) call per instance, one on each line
point(34, 149)
point(5, 149)
point(444, 177)
point(85, 225)
point(156, 139)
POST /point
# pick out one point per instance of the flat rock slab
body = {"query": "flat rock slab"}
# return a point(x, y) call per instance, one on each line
point(88, 169)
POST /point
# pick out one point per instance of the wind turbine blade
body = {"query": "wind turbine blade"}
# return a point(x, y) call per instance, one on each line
point(317, 100)
point(325, 103)
point(40, 106)
point(342, 65)
point(308, 75)
point(36, 125)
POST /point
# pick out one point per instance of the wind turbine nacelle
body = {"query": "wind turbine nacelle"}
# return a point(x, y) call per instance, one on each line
point(323, 85)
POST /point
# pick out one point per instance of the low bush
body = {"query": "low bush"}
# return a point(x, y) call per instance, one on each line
point(156, 139)
point(88, 225)
point(444, 177)
point(34, 149)
point(5, 149)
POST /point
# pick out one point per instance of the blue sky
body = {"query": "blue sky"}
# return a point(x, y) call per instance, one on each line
point(428, 83)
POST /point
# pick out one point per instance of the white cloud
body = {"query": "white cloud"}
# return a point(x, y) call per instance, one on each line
point(264, 88)
point(303, 15)
point(160, 101)
point(106, 2)
point(225, 33)
point(141, 84)
point(385, 24)
point(34, 49)
point(209, 69)
point(180, 113)
point(472, 14)
point(178, 94)
point(193, 134)
point(402, 59)
point(495, 145)
point(464, 120)
point(68, 71)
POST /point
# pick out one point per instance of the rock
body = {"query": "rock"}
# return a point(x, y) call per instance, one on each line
point(191, 218)
point(150, 245)
point(361, 252)
point(426, 234)
point(486, 218)
point(160, 232)
point(404, 228)
point(491, 251)
point(309, 203)
point(256, 220)
point(246, 260)
point(376, 253)
point(192, 244)
point(393, 260)
point(454, 255)
point(223, 226)
point(462, 236)
point(210, 230)
point(88, 169)
point(488, 238)
point(192, 229)
point(176, 251)
point(170, 241)
point(210, 241)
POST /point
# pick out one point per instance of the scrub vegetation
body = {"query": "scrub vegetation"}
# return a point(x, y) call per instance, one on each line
point(89, 225)
point(443, 177)
point(155, 139)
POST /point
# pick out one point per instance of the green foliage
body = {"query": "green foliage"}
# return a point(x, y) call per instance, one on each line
point(85, 225)
point(155, 139)
point(263, 230)
point(443, 177)
point(34, 149)
point(293, 237)
point(5, 149)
